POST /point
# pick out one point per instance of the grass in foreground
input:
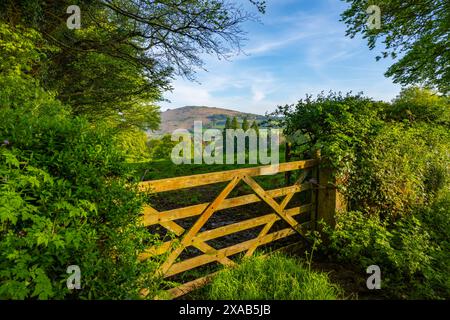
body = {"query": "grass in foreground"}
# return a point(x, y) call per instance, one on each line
point(275, 277)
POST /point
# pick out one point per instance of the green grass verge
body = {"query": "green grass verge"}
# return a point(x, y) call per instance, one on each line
point(275, 277)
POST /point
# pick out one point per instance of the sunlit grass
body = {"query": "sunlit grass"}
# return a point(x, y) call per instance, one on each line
point(275, 277)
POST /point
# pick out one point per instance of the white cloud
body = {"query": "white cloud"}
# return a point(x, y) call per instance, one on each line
point(189, 93)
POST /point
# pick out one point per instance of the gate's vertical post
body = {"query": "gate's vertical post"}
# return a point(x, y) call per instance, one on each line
point(329, 200)
point(314, 190)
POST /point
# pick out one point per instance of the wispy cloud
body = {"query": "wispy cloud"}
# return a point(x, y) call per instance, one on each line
point(273, 44)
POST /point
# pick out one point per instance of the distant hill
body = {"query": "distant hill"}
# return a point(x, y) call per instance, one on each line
point(183, 118)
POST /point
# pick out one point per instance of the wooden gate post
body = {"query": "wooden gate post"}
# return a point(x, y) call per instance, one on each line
point(329, 200)
point(287, 158)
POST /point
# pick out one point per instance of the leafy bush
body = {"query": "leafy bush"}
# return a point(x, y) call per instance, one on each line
point(403, 167)
point(341, 126)
point(413, 252)
point(436, 218)
point(391, 161)
point(415, 104)
point(64, 200)
point(275, 277)
point(161, 149)
point(133, 142)
point(381, 165)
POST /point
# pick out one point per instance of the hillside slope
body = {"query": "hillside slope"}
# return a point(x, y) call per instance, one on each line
point(183, 118)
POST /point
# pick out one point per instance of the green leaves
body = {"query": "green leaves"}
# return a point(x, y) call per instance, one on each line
point(12, 204)
point(404, 167)
point(117, 66)
point(275, 277)
point(417, 33)
point(390, 158)
point(420, 105)
point(63, 201)
point(393, 164)
point(339, 125)
point(43, 286)
point(411, 252)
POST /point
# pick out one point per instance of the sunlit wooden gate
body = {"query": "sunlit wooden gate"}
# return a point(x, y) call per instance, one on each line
point(193, 236)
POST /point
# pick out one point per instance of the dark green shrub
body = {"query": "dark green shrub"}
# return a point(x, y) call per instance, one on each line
point(341, 126)
point(392, 163)
point(404, 167)
point(64, 200)
point(161, 149)
point(413, 252)
point(420, 105)
point(381, 165)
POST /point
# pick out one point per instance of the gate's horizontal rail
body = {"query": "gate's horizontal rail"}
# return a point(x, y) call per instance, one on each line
point(226, 230)
point(171, 184)
point(150, 218)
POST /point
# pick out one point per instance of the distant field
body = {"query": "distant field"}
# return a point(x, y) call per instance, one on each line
point(160, 169)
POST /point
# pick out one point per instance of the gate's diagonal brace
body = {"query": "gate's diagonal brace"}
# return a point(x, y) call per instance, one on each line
point(274, 205)
point(199, 244)
point(188, 239)
point(269, 225)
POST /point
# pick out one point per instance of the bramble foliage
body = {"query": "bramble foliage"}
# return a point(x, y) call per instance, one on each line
point(391, 162)
point(126, 53)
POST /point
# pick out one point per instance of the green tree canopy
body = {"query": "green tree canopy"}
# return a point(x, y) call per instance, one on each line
point(245, 124)
point(255, 126)
point(417, 104)
point(416, 33)
point(124, 56)
point(228, 123)
point(234, 123)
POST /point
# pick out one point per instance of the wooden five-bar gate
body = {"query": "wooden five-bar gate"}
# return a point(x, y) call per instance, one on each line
point(321, 205)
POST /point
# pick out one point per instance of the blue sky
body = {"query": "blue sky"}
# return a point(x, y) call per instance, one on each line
point(298, 48)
